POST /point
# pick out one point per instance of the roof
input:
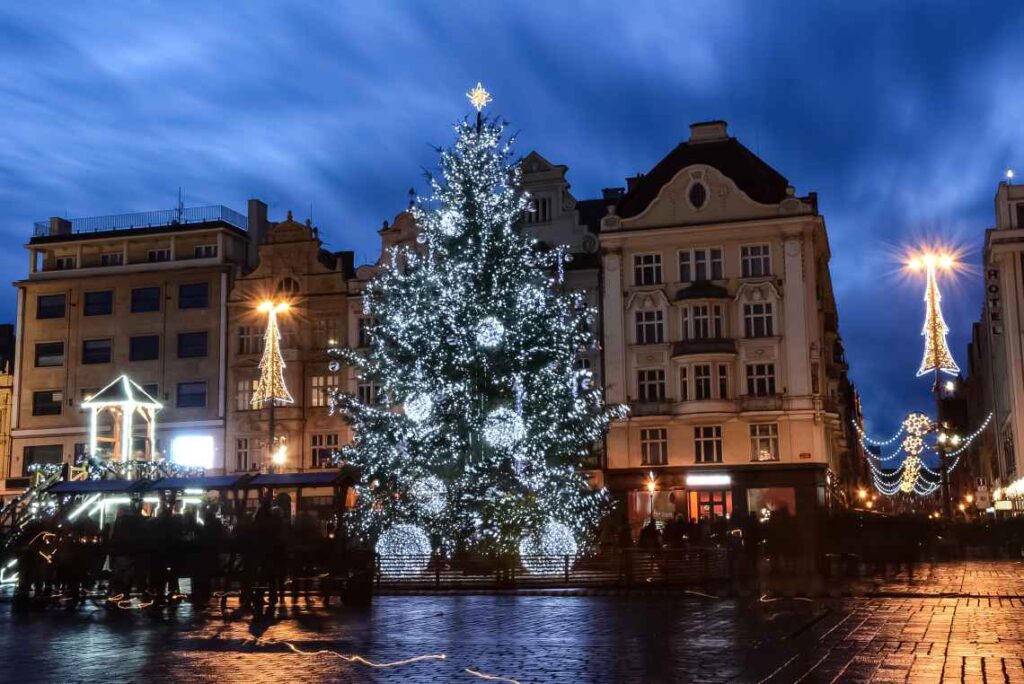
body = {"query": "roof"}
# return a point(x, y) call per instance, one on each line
point(98, 487)
point(703, 289)
point(320, 478)
point(750, 173)
point(591, 213)
point(212, 482)
point(122, 390)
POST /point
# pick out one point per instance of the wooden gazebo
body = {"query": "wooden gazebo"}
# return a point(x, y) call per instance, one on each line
point(123, 399)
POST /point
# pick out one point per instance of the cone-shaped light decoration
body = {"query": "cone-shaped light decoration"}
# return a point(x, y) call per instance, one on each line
point(271, 383)
point(937, 356)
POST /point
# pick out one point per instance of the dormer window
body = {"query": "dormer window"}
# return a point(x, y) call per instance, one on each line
point(698, 195)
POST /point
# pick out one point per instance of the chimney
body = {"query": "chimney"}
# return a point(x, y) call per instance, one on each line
point(257, 229)
point(632, 181)
point(708, 131)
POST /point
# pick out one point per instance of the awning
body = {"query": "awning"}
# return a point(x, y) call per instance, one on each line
point(98, 487)
point(206, 483)
point(319, 478)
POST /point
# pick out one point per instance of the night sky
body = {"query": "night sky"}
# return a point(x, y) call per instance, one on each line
point(902, 118)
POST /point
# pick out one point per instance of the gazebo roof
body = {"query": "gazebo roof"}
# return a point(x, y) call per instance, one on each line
point(121, 392)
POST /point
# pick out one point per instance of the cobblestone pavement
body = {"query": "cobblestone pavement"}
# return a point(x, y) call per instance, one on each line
point(971, 631)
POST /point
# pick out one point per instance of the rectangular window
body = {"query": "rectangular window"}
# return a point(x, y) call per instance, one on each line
point(205, 251)
point(650, 328)
point(650, 384)
point(654, 446)
point(365, 323)
point(761, 379)
point(764, 442)
point(325, 332)
point(242, 454)
point(47, 403)
point(144, 348)
point(324, 445)
point(49, 454)
point(321, 386)
point(756, 261)
point(707, 443)
point(191, 345)
point(194, 296)
point(700, 264)
point(152, 389)
point(65, 263)
point(368, 392)
point(647, 269)
point(703, 322)
point(723, 381)
point(191, 395)
point(49, 354)
point(156, 255)
point(50, 306)
point(244, 389)
point(702, 381)
point(145, 299)
point(112, 259)
point(684, 384)
point(758, 320)
point(98, 303)
point(250, 339)
point(96, 351)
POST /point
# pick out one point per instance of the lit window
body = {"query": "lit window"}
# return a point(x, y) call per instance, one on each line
point(323, 446)
point(653, 446)
point(707, 443)
point(764, 442)
point(242, 454)
point(322, 385)
point(244, 390)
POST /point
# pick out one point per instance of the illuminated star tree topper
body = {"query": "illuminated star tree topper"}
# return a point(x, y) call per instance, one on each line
point(937, 356)
point(271, 384)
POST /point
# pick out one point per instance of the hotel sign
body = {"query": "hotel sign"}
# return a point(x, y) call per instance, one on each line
point(993, 301)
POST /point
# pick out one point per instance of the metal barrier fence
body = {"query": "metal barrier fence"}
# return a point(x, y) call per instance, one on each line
point(149, 219)
point(641, 568)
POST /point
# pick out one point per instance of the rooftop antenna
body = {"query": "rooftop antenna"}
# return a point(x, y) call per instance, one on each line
point(179, 212)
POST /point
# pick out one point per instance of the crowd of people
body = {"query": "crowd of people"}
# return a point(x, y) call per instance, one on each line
point(262, 556)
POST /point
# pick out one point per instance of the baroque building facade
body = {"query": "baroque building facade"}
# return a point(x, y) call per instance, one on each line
point(721, 334)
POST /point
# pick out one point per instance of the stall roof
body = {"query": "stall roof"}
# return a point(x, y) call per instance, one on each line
point(209, 482)
point(319, 478)
point(98, 487)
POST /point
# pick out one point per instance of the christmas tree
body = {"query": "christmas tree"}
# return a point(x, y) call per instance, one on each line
point(482, 415)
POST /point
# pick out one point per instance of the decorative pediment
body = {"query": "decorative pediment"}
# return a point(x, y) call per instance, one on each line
point(647, 299)
point(699, 194)
point(764, 291)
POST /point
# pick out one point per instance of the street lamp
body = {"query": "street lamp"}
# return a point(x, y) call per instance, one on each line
point(651, 486)
point(947, 442)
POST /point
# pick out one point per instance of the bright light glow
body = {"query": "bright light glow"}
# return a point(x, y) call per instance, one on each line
point(478, 97)
point(280, 456)
point(78, 511)
point(708, 480)
point(545, 553)
point(193, 451)
point(268, 306)
point(862, 494)
point(969, 498)
point(1009, 174)
point(404, 550)
point(950, 385)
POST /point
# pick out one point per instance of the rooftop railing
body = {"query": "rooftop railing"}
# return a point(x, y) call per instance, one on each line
point(143, 219)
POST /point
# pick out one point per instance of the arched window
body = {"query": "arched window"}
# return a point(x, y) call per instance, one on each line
point(288, 286)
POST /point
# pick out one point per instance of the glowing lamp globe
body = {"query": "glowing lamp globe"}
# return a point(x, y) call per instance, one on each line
point(404, 550)
point(489, 333)
point(429, 494)
point(504, 428)
point(544, 552)
point(418, 408)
